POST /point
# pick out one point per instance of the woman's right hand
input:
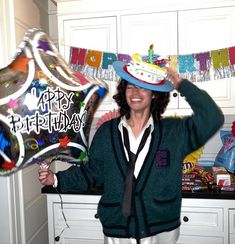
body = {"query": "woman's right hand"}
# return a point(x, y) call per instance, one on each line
point(46, 177)
point(174, 77)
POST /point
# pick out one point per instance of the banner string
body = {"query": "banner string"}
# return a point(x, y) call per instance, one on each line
point(197, 67)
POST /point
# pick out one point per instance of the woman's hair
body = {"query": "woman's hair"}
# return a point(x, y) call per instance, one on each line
point(159, 102)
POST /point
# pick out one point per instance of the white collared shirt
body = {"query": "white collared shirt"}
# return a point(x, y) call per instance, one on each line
point(134, 142)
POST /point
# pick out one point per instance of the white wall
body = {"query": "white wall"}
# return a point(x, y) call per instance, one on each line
point(7, 41)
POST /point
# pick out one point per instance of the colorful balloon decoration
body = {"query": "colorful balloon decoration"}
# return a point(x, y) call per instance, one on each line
point(107, 116)
point(46, 108)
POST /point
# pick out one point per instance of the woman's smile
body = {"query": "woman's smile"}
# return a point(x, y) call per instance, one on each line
point(138, 99)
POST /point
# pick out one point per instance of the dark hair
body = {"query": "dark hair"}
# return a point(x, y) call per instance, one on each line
point(158, 105)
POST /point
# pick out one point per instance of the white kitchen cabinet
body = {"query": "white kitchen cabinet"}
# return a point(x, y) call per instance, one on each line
point(204, 221)
point(96, 34)
point(91, 33)
point(80, 212)
point(174, 27)
point(139, 31)
point(232, 225)
point(185, 32)
point(204, 30)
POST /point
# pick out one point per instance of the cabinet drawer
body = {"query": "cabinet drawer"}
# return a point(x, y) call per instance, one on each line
point(202, 221)
point(232, 221)
point(232, 240)
point(80, 218)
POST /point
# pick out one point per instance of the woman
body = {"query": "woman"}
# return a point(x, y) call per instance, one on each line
point(137, 157)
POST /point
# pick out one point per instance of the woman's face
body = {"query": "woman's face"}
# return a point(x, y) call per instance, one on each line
point(138, 99)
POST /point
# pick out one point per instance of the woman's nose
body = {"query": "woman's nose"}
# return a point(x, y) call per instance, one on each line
point(135, 89)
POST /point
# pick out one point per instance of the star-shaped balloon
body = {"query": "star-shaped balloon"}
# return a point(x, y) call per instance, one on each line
point(44, 107)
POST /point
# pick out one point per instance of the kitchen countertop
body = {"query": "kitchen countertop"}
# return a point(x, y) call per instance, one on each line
point(185, 194)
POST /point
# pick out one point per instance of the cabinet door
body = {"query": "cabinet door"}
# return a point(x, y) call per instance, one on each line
point(84, 228)
point(202, 225)
point(139, 31)
point(206, 30)
point(202, 221)
point(96, 34)
point(232, 225)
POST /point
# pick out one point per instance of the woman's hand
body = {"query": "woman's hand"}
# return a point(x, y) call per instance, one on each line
point(46, 177)
point(174, 77)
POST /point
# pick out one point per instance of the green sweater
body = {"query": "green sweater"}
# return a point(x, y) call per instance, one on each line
point(157, 189)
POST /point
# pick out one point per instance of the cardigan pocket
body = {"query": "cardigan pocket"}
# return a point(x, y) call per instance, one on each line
point(110, 214)
point(170, 200)
point(162, 211)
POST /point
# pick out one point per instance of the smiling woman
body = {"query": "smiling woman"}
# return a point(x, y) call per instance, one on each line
point(136, 157)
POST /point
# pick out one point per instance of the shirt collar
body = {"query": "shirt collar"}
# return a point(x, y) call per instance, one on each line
point(123, 122)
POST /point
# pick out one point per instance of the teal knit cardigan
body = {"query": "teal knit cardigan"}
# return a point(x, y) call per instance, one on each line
point(156, 200)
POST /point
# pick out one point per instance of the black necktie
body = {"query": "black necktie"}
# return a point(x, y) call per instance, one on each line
point(126, 205)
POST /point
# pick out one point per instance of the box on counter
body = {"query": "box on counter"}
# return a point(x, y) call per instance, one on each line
point(221, 176)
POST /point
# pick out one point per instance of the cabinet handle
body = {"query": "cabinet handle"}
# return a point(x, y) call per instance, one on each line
point(185, 219)
point(96, 216)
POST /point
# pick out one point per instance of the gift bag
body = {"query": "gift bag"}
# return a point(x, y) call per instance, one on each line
point(226, 155)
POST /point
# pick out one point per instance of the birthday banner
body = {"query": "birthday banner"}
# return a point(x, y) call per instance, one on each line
point(197, 67)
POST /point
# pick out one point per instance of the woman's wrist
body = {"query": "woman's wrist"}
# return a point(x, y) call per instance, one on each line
point(174, 77)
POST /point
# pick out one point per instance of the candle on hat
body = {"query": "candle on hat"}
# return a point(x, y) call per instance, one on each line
point(150, 54)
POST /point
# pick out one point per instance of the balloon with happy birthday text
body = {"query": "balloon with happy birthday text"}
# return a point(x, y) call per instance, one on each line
point(46, 108)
